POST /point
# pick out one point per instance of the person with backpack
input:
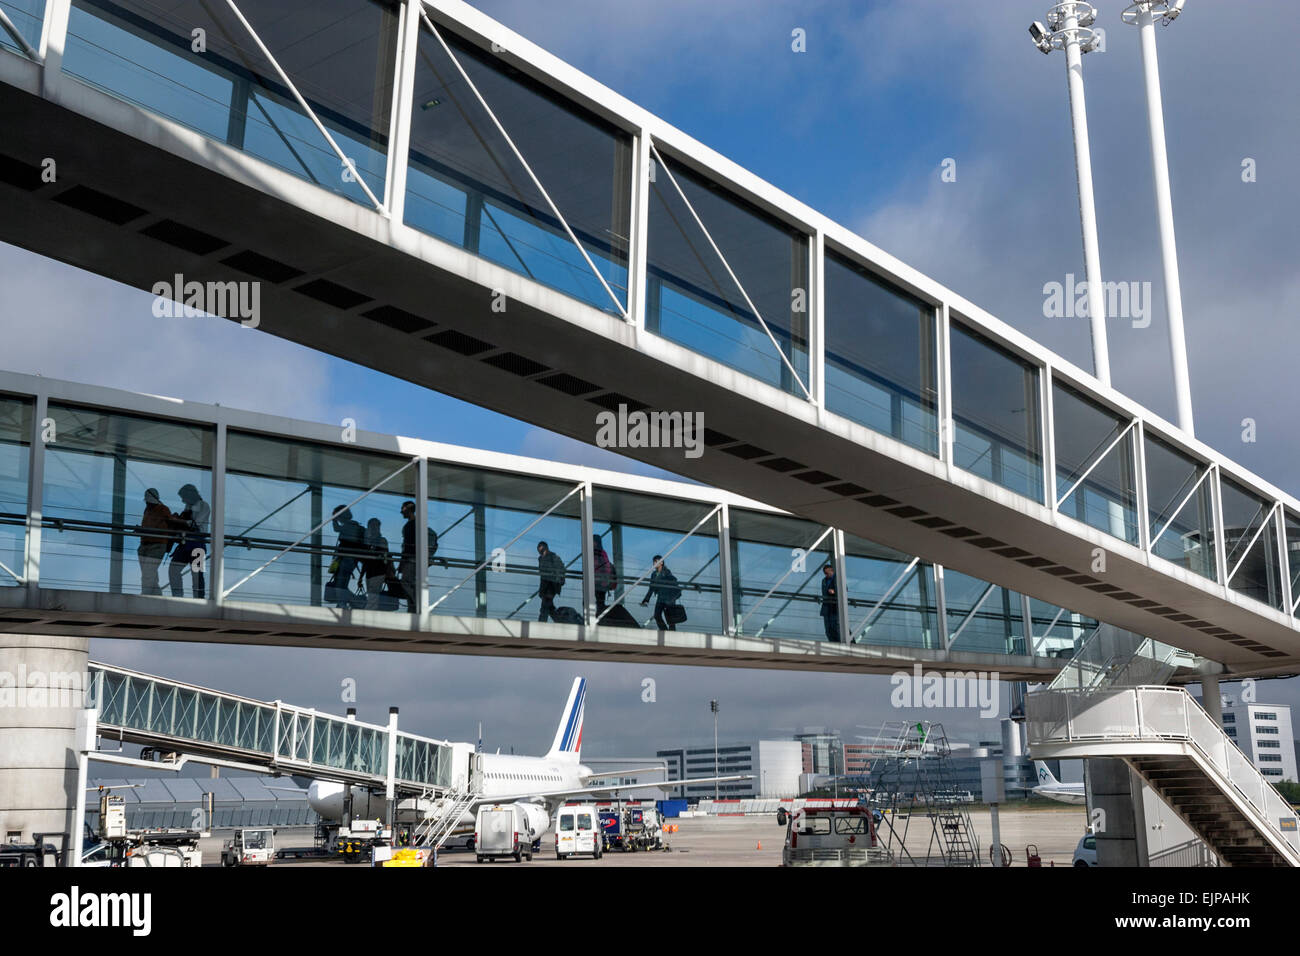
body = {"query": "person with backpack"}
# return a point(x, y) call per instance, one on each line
point(192, 525)
point(550, 574)
point(349, 551)
point(667, 594)
point(409, 580)
point(605, 573)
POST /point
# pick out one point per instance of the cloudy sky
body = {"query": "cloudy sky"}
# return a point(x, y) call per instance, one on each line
point(859, 127)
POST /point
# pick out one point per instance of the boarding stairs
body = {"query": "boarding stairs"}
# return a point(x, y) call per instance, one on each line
point(445, 813)
point(1106, 705)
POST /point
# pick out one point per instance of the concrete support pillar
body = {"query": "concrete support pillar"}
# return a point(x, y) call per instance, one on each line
point(42, 684)
point(1212, 699)
point(1116, 790)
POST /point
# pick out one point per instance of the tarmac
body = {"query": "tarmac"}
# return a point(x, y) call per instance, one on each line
point(757, 841)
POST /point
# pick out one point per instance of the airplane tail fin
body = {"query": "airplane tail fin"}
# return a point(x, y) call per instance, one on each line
point(1045, 776)
point(568, 735)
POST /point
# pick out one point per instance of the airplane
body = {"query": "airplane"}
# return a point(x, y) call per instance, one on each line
point(1053, 789)
point(538, 784)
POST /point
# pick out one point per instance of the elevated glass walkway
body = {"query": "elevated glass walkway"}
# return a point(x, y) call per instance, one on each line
point(416, 188)
point(139, 516)
point(164, 714)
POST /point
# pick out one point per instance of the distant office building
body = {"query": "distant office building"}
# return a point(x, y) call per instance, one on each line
point(774, 764)
point(1263, 732)
point(823, 752)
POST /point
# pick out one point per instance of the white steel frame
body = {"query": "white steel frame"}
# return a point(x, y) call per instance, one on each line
point(651, 135)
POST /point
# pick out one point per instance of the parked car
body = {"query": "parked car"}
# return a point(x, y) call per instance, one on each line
point(1085, 854)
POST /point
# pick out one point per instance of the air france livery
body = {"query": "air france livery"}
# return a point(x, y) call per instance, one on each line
point(540, 783)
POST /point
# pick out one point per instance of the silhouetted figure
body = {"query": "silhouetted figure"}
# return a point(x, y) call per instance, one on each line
point(664, 589)
point(192, 526)
point(348, 552)
point(550, 573)
point(153, 547)
point(605, 574)
point(376, 567)
point(830, 604)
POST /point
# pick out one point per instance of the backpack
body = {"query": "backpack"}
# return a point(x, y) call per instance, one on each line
point(432, 543)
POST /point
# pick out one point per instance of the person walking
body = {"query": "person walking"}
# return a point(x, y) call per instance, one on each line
point(664, 589)
point(830, 604)
point(192, 523)
point(153, 547)
point(348, 553)
point(605, 574)
point(376, 567)
point(550, 575)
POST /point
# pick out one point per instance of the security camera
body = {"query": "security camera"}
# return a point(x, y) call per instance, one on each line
point(1175, 8)
point(1038, 33)
point(1088, 18)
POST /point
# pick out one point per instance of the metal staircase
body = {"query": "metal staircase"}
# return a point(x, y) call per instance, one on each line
point(1197, 769)
point(913, 777)
point(444, 814)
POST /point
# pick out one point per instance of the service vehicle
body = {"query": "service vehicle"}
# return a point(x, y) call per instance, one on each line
point(1085, 853)
point(39, 852)
point(577, 830)
point(249, 846)
point(507, 830)
point(631, 828)
point(831, 836)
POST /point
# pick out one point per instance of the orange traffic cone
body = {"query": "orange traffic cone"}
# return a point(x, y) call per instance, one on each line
point(760, 845)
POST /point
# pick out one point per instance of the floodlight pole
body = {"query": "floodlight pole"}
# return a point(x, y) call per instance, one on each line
point(1068, 34)
point(1087, 204)
point(713, 706)
point(1143, 14)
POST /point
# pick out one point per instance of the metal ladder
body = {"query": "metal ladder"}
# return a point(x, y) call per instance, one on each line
point(432, 832)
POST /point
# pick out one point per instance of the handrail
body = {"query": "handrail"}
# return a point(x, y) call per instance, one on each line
point(1253, 786)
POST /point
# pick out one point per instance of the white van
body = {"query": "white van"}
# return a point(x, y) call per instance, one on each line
point(503, 830)
point(577, 830)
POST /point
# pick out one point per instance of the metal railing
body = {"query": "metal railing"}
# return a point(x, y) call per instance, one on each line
point(1160, 715)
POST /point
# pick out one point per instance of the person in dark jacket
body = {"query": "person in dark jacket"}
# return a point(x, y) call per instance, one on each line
point(155, 541)
point(830, 604)
point(550, 574)
point(348, 553)
point(191, 527)
point(664, 589)
point(606, 577)
point(406, 564)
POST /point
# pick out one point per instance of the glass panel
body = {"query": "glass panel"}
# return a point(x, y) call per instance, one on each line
point(1259, 575)
point(15, 452)
point(475, 514)
point(765, 549)
point(338, 53)
point(880, 356)
point(630, 529)
point(26, 16)
point(1293, 558)
point(996, 430)
point(278, 490)
point(186, 712)
point(126, 504)
point(988, 617)
point(1107, 498)
point(1057, 632)
point(466, 186)
point(690, 297)
point(875, 575)
point(1183, 535)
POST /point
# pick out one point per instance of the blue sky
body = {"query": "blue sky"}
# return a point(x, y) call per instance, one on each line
point(857, 126)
